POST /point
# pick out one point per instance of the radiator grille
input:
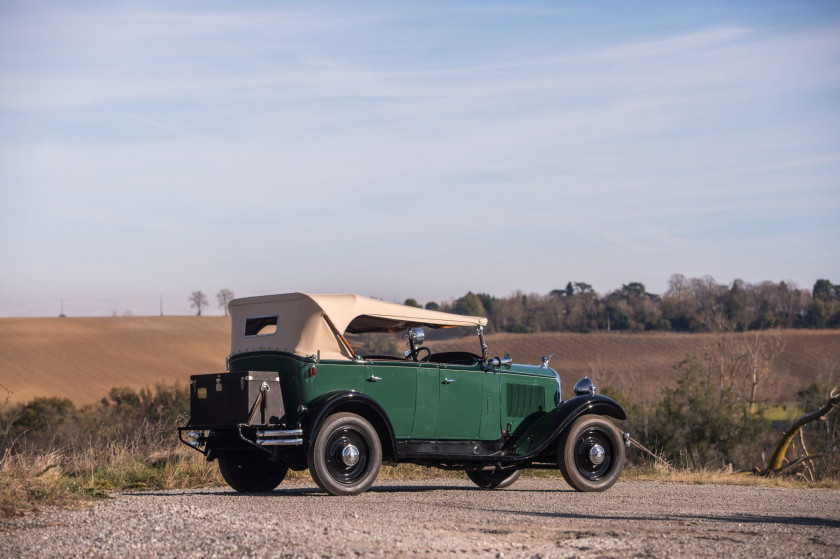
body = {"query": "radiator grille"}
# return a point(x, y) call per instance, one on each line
point(524, 399)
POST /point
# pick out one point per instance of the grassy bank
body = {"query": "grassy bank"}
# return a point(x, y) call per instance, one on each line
point(76, 475)
point(79, 477)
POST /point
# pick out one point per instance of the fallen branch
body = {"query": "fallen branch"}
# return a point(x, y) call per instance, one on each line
point(775, 463)
point(661, 461)
point(798, 462)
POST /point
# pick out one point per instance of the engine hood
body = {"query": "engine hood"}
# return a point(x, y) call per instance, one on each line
point(533, 370)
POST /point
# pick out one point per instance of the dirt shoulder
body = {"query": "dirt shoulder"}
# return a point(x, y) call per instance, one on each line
point(435, 518)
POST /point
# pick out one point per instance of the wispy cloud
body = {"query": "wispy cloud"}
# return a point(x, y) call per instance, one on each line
point(300, 131)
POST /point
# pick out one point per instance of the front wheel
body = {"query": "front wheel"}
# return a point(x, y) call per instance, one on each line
point(346, 455)
point(252, 476)
point(493, 479)
point(591, 454)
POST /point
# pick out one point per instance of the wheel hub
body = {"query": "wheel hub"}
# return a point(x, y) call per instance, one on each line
point(350, 455)
point(593, 454)
point(596, 454)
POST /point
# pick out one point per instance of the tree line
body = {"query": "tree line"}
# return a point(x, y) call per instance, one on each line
point(688, 305)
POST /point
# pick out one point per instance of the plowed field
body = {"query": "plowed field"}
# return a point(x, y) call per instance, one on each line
point(83, 358)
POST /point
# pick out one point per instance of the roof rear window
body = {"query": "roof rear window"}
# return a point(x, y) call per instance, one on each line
point(261, 325)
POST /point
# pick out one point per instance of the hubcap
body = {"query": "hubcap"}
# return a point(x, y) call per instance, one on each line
point(350, 455)
point(593, 454)
point(596, 454)
point(346, 455)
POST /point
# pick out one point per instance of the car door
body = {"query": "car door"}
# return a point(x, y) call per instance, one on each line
point(428, 395)
point(460, 403)
point(393, 384)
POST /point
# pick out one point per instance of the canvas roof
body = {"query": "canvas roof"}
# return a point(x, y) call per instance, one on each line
point(308, 323)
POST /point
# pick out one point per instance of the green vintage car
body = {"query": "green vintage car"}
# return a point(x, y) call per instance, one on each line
point(297, 395)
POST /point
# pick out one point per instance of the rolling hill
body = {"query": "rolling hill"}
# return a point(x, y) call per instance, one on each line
point(83, 358)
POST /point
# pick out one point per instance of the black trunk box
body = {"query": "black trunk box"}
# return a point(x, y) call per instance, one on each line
point(227, 399)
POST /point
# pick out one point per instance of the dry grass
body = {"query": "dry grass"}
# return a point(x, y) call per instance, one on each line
point(29, 481)
point(77, 475)
point(703, 476)
point(723, 476)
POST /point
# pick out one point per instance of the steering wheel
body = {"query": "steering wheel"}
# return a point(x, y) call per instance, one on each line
point(415, 353)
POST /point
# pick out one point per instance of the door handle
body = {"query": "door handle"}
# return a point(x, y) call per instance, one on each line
point(448, 380)
point(374, 378)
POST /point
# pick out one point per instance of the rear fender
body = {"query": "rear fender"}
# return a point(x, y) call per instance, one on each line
point(352, 402)
point(545, 431)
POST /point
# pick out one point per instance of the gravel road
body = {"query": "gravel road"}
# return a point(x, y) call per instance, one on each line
point(446, 517)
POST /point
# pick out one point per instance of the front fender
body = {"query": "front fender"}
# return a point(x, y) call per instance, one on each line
point(545, 431)
point(353, 402)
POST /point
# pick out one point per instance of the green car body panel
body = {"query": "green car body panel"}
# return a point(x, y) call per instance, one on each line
point(478, 404)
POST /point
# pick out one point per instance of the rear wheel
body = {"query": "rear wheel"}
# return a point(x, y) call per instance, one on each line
point(493, 479)
point(252, 476)
point(346, 455)
point(591, 454)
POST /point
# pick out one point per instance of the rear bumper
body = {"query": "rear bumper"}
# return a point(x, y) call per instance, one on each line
point(208, 439)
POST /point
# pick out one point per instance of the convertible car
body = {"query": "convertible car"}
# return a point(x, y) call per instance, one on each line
point(296, 394)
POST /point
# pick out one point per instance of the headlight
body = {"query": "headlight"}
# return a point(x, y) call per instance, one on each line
point(585, 386)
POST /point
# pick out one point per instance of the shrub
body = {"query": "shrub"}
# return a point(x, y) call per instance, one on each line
point(703, 420)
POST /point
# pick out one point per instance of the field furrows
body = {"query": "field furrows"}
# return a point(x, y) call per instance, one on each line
point(83, 358)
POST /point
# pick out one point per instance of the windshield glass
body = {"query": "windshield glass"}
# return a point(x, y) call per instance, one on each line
point(438, 340)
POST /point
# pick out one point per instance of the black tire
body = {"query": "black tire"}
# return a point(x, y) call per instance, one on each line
point(252, 476)
point(493, 479)
point(338, 473)
point(578, 457)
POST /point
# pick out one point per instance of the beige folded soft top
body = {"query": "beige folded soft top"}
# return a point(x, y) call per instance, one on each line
point(308, 323)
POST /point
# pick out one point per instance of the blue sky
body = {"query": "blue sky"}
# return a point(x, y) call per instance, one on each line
point(411, 149)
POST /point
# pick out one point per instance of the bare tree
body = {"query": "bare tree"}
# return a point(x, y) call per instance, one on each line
point(224, 296)
point(761, 351)
point(678, 286)
point(197, 300)
point(725, 359)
